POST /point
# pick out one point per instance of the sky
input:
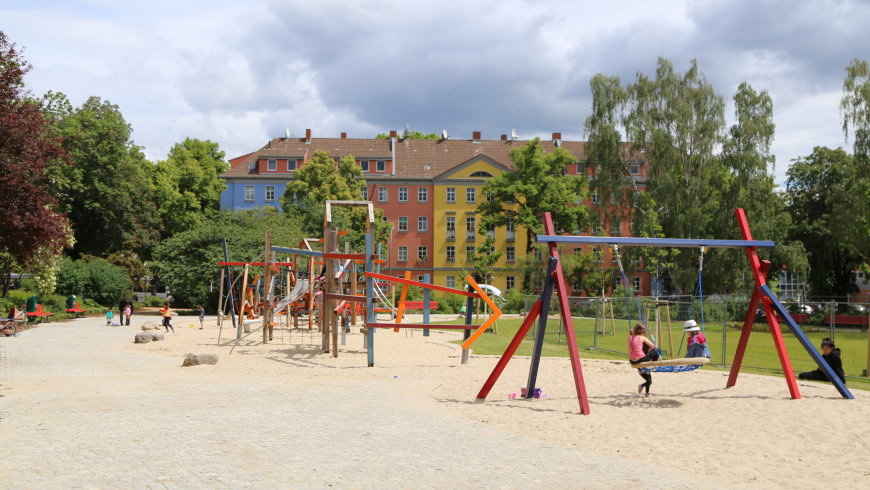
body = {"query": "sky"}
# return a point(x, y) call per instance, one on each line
point(240, 72)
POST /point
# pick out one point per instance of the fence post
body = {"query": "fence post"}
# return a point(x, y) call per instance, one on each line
point(725, 333)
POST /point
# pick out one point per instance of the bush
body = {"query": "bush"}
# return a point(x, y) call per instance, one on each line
point(450, 303)
point(96, 278)
point(154, 301)
point(514, 301)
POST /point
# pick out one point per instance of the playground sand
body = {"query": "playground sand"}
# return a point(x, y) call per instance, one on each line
point(691, 432)
point(691, 425)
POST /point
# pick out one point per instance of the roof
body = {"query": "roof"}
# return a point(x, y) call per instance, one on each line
point(424, 159)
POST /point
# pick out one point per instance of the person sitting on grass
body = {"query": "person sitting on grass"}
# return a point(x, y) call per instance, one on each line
point(832, 355)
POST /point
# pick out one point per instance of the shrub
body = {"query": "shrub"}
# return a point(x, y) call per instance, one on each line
point(154, 301)
point(96, 278)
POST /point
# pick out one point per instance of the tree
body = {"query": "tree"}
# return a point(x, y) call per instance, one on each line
point(408, 134)
point(188, 184)
point(815, 186)
point(855, 105)
point(33, 227)
point(94, 278)
point(187, 262)
point(107, 192)
point(535, 185)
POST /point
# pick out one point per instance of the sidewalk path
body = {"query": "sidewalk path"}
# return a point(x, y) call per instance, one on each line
point(82, 409)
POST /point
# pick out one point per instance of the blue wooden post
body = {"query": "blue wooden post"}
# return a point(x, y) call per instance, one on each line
point(469, 312)
point(370, 304)
point(546, 296)
point(811, 349)
point(426, 305)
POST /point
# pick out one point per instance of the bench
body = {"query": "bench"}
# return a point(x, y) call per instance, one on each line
point(418, 305)
point(38, 313)
point(847, 319)
point(76, 310)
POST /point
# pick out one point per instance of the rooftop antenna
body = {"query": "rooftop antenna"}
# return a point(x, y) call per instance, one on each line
point(514, 134)
point(287, 133)
point(444, 134)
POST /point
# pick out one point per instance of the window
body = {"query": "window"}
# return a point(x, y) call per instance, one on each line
point(635, 283)
point(364, 165)
point(596, 197)
point(481, 173)
point(451, 281)
point(422, 223)
point(451, 253)
point(382, 166)
point(510, 234)
point(451, 228)
point(365, 193)
point(403, 194)
point(291, 165)
point(422, 252)
point(596, 252)
point(469, 251)
point(581, 168)
point(422, 194)
point(249, 193)
point(539, 254)
point(252, 166)
point(382, 194)
point(271, 165)
point(421, 278)
point(634, 168)
point(270, 192)
point(511, 254)
point(470, 195)
point(403, 253)
point(403, 223)
point(470, 228)
point(451, 194)
point(510, 282)
point(616, 227)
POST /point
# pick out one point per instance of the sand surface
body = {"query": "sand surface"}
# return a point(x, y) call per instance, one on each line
point(84, 406)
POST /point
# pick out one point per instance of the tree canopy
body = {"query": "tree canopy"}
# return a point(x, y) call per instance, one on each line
point(34, 228)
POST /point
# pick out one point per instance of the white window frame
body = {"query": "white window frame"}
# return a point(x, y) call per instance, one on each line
point(381, 166)
point(365, 193)
point(403, 194)
point(422, 252)
point(422, 194)
point(469, 251)
point(636, 283)
point(451, 281)
point(383, 194)
point(270, 189)
point(403, 224)
point(422, 224)
point(402, 253)
point(451, 253)
point(364, 165)
point(511, 254)
point(470, 195)
point(451, 195)
point(510, 282)
point(291, 164)
point(271, 165)
point(250, 193)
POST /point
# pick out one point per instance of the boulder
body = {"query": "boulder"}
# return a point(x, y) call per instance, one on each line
point(155, 335)
point(197, 359)
point(142, 338)
point(149, 326)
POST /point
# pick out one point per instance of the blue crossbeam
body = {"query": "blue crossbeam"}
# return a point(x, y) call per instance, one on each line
point(654, 242)
point(285, 250)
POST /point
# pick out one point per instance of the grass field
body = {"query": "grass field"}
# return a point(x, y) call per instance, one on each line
point(760, 355)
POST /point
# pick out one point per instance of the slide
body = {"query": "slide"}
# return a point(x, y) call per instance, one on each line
point(296, 294)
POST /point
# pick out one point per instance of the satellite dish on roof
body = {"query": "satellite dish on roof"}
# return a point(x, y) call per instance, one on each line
point(287, 133)
point(514, 134)
point(444, 134)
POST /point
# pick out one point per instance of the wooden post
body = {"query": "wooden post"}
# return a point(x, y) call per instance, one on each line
point(267, 283)
point(400, 311)
point(612, 319)
point(242, 325)
point(310, 292)
point(221, 301)
point(668, 315)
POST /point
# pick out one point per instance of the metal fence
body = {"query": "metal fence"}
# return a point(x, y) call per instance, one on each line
point(602, 324)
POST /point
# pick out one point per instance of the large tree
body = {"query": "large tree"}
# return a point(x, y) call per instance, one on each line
point(535, 185)
point(188, 185)
point(816, 186)
point(853, 225)
point(107, 190)
point(855, 105)
point(33, 229)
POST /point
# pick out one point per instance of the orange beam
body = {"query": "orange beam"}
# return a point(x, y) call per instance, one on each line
point(489, 321)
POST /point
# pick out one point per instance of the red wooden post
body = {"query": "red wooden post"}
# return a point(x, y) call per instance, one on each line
point(748, 320)
point(511, 349)
point(562, 291)
point(760, 280)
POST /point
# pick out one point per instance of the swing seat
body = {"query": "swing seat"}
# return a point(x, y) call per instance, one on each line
point(671, 365)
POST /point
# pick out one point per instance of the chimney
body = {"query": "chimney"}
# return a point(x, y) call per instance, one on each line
point(504, 137)
point(393, 136)
point(557, 139)
point(475, 135)
point(307, 136)
point(343, 135)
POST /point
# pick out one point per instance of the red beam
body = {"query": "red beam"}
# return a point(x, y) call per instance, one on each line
point(421, 284)
point(337, 255)
point(425, 325)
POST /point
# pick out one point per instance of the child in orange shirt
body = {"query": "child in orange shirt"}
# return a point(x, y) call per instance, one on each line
point(167, 317)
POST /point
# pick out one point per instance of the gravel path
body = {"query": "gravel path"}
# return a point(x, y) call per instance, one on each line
point(82, 409)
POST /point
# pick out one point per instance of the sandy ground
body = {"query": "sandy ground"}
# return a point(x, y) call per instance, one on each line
point(286, 414)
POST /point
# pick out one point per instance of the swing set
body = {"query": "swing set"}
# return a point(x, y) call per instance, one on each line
point(555, 282)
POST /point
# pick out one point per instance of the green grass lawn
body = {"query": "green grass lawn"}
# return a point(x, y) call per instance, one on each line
point(760, 354)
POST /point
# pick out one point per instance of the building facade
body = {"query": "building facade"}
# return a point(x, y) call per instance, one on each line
point(428, 190)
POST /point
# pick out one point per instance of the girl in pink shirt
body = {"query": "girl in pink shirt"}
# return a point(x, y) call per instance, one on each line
point(696, 343)
point(641, 349)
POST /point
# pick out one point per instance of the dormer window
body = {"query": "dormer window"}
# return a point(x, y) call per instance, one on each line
point(271, 165)
point(252, 166)
point(382, 166)
point(364, 165)
point(291, 165)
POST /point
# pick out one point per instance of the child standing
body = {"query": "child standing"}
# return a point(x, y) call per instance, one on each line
point(201, 316)
point(128, 312)
point(167, 317)
point(696, 343)
point(641, 349)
